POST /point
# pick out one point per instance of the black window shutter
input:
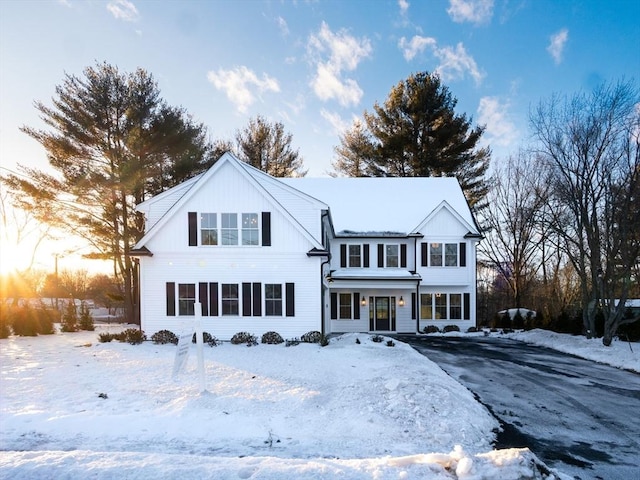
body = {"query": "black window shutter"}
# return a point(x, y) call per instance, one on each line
point(356, 306)
point(380, 255)
point(291, 300)
point(171, 299)
point(467, 306)
point(213, 299)
point(371, 314)
point(343, 255)
point(403, 256)
point(365, 255)
point(425, 253)
point(246, 299)
point(413, 305)
point(463, 254)
point(334, 305)
point(257, 299)
point(266, 229)
point(193, 229)
point(203, 298)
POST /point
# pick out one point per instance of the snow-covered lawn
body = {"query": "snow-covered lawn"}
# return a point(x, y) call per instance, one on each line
point(71, 407)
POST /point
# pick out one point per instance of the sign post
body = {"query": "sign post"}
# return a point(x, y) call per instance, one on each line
point(200, 348)
point(184, 344)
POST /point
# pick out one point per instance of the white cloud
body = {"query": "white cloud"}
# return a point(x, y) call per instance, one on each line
point(416, 45)
point(455, 63)
point(473, 11)
point(404, 7)
point(334, 53)
point(338, 124)
point(557, 43)
point(123, 10)
point(237, 85)
point(282, 25)
point(499, 129)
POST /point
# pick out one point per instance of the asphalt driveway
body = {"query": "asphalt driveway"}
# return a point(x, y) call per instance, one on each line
point(578, 416)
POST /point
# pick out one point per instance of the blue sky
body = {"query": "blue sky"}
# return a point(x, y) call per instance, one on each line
point(315, 65)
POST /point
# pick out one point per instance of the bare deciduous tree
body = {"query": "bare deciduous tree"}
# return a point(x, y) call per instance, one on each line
point(590, 143)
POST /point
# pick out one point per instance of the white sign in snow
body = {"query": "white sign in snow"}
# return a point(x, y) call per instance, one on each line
point(184, 343)
point(182, 353)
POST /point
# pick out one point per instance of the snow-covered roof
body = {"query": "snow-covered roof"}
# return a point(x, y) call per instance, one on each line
point(385, 205)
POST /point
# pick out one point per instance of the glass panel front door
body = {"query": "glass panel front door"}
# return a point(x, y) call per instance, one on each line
point(383, 322)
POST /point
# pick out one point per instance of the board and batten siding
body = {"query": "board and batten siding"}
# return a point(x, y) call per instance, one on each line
point(230, 192)
point(298, 269)
point(302, 209)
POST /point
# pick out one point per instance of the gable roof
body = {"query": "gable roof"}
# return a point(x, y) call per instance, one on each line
point(386, 205)
point(181, 193)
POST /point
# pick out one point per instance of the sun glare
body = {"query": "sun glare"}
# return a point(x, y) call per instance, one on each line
point(12, 258)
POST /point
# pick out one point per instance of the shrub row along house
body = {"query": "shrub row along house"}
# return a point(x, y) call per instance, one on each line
point(295, 255)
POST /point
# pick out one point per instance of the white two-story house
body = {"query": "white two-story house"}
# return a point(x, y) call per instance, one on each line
point(257, 253)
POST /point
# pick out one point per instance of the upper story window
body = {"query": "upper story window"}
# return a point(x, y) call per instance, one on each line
point(355, 259)
point(450, 254)
point(443, 254)
point(208, 229)
point(435, 254)
point(392, 255)
point(229, 228)
point(250, 231)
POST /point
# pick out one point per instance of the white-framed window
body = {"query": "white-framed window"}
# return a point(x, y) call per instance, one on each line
point(426, 306)
point(186, 298)
point(392, 255)
point(230, 300)
point(229, 228)
point(344, 306)
point(209, 229)
point(455, 306)
point(441, 306)
point(273, 299)
point(355, 256)
point(435, 254)
point(443, 254)
point(250, 229)
point(450, 254)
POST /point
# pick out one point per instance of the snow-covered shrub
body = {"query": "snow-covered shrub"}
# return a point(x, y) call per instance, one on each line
point(244, 337)
point(451, 328)
point(377, 338)
point(324, 340)
point(207, 338)
point(291, 342)
point(472, 330)
point(272, 338)
point(431, 329)
point(518, 320)
point(390, 343)
point(311, 337)
point(133, 336)
point(106, 337)
point(163, 337)
point(86, 320)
